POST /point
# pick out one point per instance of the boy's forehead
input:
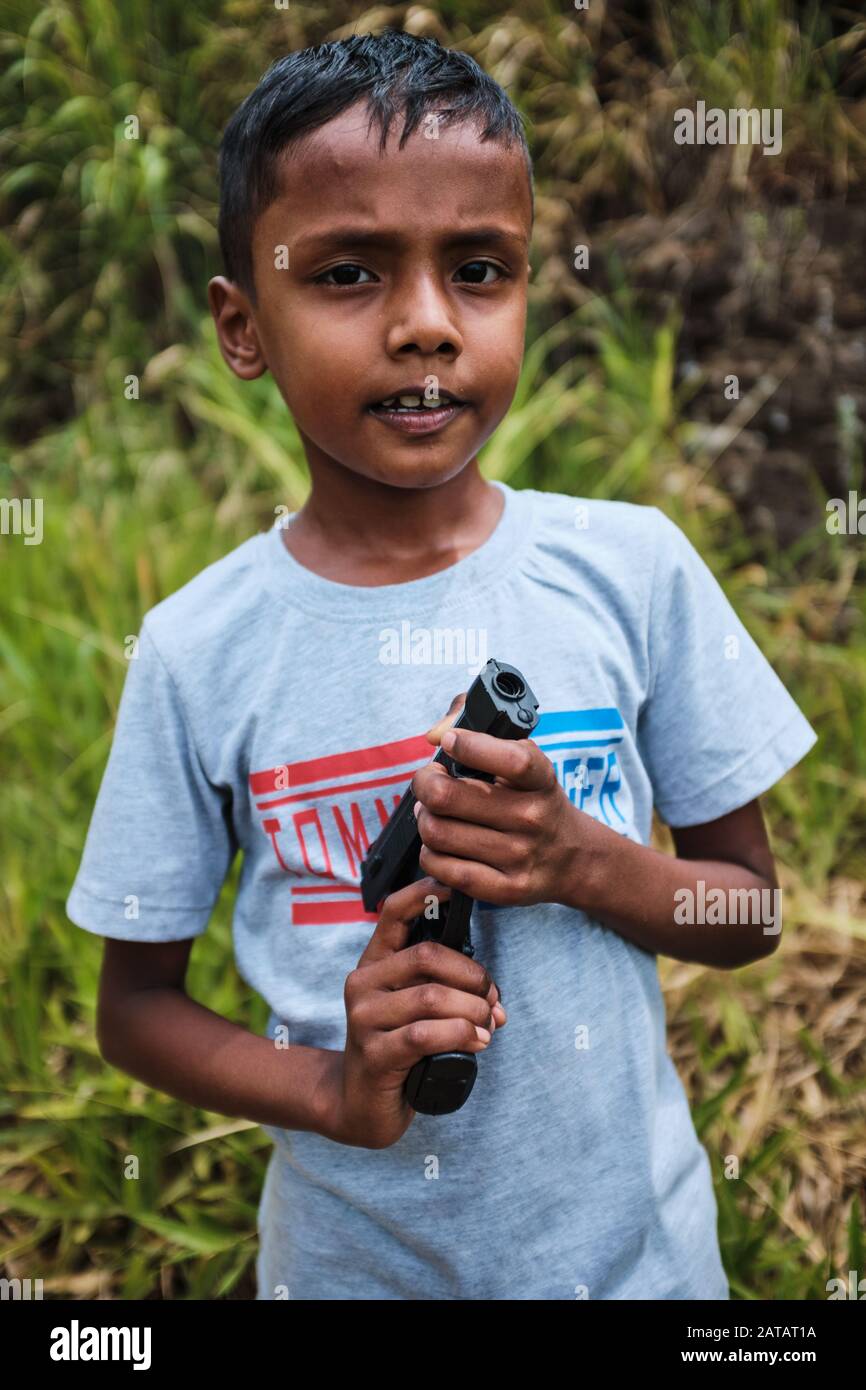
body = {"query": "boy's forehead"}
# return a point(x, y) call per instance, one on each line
point(340, 169)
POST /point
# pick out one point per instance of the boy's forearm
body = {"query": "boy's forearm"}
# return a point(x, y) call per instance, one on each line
point(631, 888)
point(176, 1045)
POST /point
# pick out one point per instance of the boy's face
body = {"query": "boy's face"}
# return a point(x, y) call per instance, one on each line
point(438, 291)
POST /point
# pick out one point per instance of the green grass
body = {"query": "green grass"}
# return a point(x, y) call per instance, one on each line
point(107, 247)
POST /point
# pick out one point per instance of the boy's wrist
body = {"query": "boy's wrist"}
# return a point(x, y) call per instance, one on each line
point(591, 864)
point(327, 1096)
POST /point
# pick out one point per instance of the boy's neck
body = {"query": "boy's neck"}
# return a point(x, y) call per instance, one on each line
point(357, 531)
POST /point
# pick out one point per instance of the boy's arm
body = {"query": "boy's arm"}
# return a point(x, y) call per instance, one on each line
point(148, 1026)
point(402, 1003)
point(632, 889)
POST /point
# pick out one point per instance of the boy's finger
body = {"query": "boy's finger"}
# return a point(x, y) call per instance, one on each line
point(392, 929)
point(401, 1048)
point(459, 839)
point(520, 762)
point(438, 729)
point(447, 967)
point(466, 798)
point(397, 1007)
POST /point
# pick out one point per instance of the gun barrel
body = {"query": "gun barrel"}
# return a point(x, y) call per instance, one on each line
point(499, 702)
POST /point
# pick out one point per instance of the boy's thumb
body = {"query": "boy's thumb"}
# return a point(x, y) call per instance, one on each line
point(435, 734)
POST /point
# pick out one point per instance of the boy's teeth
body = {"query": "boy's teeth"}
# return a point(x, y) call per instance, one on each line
point(413, 402)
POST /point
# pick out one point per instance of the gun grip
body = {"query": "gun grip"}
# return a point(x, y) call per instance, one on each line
point(440, 1084)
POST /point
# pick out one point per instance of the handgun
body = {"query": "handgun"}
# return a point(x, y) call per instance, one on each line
point(499, 702)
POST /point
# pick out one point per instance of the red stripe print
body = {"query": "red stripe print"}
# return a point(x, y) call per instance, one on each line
point(311, 914)
point(323, 888)
point(359, 760)
point(333, 791)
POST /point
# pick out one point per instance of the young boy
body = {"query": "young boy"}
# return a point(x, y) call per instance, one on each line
point(278, 705)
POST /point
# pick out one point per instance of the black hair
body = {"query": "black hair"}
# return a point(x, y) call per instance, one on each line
point(302, 91)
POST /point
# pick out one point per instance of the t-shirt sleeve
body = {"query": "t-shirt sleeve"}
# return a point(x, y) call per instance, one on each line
point(718, 727)
point(160, 840)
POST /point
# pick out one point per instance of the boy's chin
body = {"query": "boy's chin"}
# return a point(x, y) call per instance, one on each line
point(409, 473)
point(398, 466)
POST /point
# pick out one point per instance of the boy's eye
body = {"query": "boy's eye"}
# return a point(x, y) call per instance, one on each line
point(474, 266)
point(341, 270)
point(347, 271)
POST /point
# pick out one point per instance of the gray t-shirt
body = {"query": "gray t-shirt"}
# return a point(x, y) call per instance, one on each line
point(275, 711)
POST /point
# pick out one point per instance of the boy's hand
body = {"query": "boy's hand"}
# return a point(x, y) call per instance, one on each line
point(515, 841)
point(402, 1005)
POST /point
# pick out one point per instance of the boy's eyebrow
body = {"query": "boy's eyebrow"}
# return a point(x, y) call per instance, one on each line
point(364, 236)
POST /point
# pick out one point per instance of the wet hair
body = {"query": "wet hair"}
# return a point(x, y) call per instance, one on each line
point(395, 72)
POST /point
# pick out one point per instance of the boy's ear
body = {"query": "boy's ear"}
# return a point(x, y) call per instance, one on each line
point(236, 329)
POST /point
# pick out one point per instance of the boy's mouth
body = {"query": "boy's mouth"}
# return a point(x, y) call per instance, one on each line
point(413, 412)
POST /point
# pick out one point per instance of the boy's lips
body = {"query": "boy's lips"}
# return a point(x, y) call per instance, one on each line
point(420, 420)
point(409, 410)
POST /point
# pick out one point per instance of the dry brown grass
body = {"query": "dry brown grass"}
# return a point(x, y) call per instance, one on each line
point(799, 1020)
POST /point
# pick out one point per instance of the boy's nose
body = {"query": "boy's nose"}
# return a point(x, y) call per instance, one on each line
point(424, 320)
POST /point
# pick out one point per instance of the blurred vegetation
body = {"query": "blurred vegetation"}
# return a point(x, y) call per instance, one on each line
point(106, 249)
